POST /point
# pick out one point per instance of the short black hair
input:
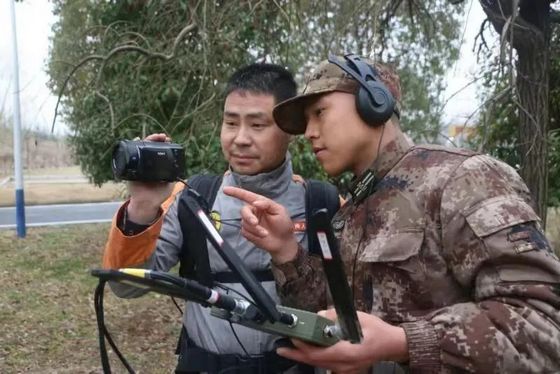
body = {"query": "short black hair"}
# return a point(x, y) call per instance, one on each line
point(263, 78)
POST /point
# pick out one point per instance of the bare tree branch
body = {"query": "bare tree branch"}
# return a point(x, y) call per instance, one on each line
point(526, 34)
point(111, 112)
point(482, 39)
point(115, 51)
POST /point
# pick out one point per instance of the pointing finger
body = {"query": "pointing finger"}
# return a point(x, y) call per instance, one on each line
point(241, 194)
point(249, 215)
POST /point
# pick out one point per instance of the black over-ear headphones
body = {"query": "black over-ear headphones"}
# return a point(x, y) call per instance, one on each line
point(374, 101)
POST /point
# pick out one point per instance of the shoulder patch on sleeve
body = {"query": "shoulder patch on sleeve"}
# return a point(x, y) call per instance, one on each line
point(498, 213)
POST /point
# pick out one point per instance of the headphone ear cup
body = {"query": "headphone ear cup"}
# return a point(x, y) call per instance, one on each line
point(377, 110)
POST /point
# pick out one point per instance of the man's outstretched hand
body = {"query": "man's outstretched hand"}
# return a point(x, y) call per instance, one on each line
point(266, 224)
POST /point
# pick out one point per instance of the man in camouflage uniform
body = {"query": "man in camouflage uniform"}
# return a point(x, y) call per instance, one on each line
point(449, 266)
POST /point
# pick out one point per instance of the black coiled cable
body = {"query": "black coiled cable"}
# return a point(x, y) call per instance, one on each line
point(104, 334)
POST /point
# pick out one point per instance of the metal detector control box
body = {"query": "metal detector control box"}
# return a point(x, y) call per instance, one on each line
point(307, 326)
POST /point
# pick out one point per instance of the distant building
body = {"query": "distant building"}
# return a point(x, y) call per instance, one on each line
point(460, 135)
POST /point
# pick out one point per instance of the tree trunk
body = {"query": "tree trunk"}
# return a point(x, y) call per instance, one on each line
point(530, 24)
point(533, 91)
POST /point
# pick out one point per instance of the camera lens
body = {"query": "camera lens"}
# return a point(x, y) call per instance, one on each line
point(125, 159)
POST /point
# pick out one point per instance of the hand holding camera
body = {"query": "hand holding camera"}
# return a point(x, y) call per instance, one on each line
point(151, 166)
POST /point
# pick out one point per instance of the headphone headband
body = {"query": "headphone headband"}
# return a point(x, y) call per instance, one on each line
point(362, 72)
point(357, 73)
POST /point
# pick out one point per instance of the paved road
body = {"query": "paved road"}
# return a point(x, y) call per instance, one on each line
point(60, 214)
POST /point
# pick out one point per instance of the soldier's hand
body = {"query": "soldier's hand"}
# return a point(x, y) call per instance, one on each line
point(266, 224)
point(381, 342)
point(146, 198)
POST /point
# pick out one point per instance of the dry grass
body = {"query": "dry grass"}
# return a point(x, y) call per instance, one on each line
point(44, 155)
point(38, 151)
point(68, 190)
point(56, 193)
point(47, 315)
point(64, 171)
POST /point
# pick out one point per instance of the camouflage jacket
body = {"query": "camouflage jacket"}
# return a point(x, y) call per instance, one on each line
point(449, 247)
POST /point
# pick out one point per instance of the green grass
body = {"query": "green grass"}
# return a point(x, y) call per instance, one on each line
point(46, 307)
point(47, 315)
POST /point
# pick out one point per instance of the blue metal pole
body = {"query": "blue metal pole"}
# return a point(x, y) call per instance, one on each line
point(20, 213)
point(18, 174)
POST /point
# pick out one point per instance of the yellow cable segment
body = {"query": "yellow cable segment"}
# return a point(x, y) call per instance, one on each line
point(141, 273)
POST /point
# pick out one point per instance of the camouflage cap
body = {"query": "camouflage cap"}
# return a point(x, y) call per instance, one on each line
point(325, 78)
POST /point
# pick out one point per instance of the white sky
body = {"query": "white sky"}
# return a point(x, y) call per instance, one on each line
point(461, 96)
point(34, 21)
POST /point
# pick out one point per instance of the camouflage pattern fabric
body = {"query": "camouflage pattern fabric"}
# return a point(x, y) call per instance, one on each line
point(449, 247)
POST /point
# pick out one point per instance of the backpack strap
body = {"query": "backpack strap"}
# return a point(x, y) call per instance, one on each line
point(207, 185)
point(194, 263)
point(319, 195)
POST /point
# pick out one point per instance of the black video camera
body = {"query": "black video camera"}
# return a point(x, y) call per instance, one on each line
point(148, 161)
